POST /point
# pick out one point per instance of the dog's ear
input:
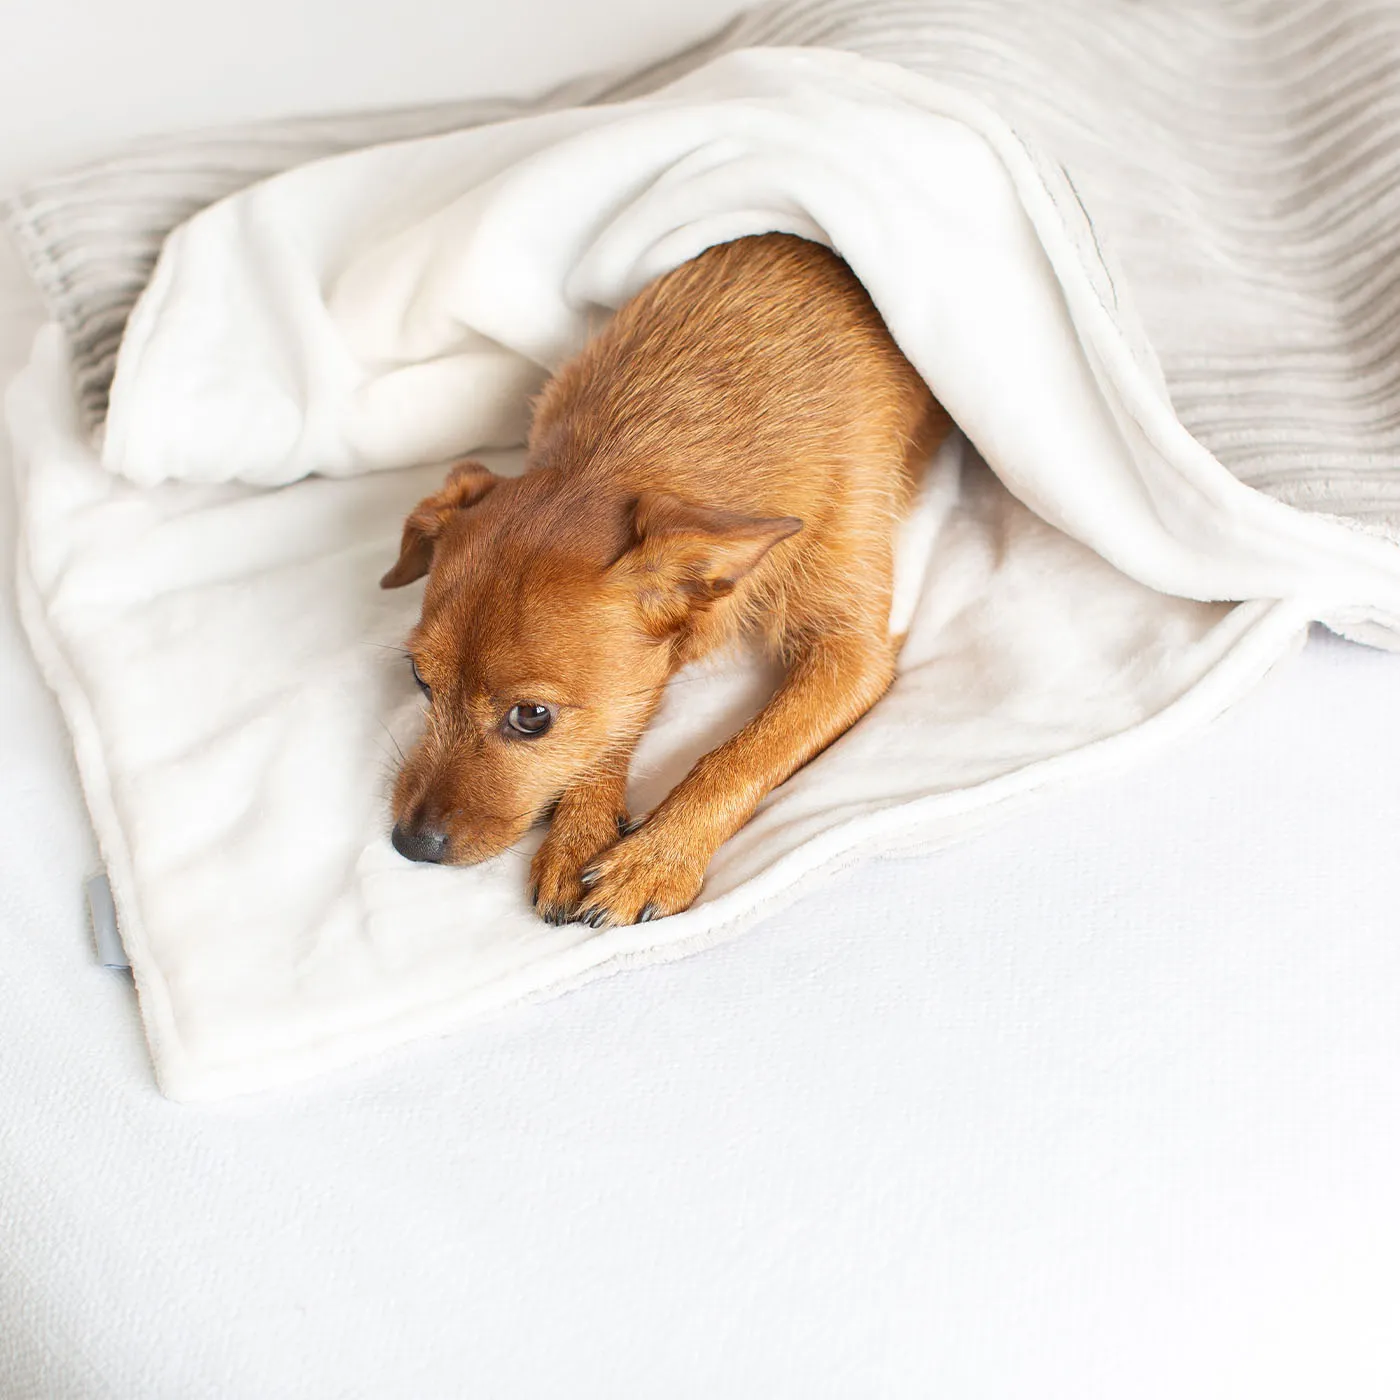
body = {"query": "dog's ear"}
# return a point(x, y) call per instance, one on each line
point(466, 484)
point(688, 556)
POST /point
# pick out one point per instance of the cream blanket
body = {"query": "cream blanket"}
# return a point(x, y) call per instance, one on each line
point(207, 607)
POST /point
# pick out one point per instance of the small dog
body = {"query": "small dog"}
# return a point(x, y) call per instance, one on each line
point(731, 454)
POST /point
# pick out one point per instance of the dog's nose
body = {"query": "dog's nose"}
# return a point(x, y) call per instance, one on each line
point(420, 842)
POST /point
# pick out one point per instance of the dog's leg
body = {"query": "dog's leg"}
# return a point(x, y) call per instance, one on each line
point(658, 869)
point(588, 818)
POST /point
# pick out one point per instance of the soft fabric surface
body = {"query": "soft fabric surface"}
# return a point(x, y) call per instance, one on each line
point(213, 643)
point(1098, 1103)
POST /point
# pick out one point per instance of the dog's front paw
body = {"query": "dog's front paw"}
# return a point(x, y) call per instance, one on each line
point(647, 875)
point(577, 835)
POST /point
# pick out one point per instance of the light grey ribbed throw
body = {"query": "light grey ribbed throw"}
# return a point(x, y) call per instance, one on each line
point(1240, 160)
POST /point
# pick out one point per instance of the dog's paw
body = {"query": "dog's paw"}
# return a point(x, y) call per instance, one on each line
point(575, 839)
point(645, 876)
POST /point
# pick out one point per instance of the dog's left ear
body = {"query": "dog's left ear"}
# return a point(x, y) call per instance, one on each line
point(690, 555)
point(466, 484)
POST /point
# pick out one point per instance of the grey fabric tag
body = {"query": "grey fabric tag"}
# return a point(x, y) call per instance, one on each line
point(110, 952)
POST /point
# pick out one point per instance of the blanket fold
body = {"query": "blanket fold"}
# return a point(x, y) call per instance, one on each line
point(396, 305)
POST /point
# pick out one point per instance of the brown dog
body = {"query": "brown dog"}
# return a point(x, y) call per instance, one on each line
point(731, 453)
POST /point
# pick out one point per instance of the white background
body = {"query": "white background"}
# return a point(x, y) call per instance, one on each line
point(80, 75)
point(1103, 1103)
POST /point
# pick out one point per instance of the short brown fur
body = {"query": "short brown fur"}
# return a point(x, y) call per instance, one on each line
point(731, 454)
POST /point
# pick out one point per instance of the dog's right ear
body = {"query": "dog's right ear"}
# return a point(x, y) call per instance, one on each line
point(466, 484)
point(689, 556)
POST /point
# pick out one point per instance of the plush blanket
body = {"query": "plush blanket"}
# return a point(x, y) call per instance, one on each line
point(1083, 581)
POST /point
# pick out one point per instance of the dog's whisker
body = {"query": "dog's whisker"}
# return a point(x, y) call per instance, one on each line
point(397, 747)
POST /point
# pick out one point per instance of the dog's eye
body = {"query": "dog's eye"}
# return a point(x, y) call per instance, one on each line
point(529, 720)
point(418, 679)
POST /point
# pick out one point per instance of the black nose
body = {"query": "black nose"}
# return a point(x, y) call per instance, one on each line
point(420, 842)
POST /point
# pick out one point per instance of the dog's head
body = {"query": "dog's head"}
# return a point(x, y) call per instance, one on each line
point(552, 619)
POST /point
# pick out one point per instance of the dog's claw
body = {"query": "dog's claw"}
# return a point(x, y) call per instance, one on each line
point(634, 824)
point(623, 824)
point(589, 878)
point(649, 912)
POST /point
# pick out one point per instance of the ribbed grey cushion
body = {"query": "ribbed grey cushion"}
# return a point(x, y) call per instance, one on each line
point(1241, 161)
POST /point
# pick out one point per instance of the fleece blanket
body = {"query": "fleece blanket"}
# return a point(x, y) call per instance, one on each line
point(204, 598)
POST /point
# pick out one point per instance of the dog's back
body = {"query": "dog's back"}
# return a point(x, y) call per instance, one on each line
point(757, 378)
